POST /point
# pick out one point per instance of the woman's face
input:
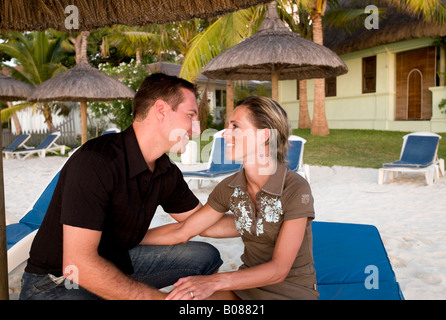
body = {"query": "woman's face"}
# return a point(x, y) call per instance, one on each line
point(241, 137)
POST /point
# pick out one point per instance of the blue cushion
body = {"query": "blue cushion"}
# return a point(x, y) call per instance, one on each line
point(219, 164)
point(16, 232)
point(293, 155)
point(419, 152)
point(342, 252)
point(35, 216)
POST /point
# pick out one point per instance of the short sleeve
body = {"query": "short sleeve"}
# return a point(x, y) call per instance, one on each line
point(297, 200)
point(219, 197)
point(181, 198)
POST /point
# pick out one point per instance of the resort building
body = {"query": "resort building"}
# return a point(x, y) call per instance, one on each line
point(396, 78)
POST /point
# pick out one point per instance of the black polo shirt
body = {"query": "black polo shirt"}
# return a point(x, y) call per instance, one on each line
point(106, 185)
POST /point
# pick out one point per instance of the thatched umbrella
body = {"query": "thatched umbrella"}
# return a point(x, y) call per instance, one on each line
point(25, 15)
point(275, 53)
point(82, 83)
point(10, 90)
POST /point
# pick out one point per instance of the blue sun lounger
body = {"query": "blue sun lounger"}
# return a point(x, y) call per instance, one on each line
point(352, 264)
point(47, 145)
point(418, 154)
point(218, 165)
point(295, 156)
point(19, 236)
point(18, 143)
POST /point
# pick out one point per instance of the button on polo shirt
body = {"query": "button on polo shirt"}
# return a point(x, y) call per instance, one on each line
point(107, 186)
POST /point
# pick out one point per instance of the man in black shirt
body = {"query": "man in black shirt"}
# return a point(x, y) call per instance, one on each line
point(90, 244)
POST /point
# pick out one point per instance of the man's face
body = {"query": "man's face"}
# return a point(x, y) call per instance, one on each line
point(183, 123)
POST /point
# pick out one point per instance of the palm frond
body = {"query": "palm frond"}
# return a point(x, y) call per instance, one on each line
point(223, 33)
point(129, 40)
point(347, 20)
point(7, 113)
point(429, 9)
point(203, 48)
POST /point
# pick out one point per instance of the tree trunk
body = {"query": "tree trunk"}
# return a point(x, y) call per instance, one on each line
point(80, 46)
point(84, 44)
point(320, 124)
point(138, 56)
point(46, 111)
point(15, 118)
point(304, 114)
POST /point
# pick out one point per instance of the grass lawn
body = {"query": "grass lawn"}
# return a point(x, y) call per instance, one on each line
point(356, 148)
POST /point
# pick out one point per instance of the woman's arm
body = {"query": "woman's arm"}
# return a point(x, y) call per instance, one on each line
point(287, 246)
point(206, 221)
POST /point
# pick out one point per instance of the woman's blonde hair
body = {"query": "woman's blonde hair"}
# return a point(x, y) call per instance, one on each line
point(267, 113)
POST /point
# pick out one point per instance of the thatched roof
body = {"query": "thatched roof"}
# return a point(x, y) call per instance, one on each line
point(274, 48)
point(394, 25)
point(26, 15)
point(173, 69)
point(82, 82)
point(12, 89)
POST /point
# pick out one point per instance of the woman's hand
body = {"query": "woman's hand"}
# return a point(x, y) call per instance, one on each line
point(193, 288)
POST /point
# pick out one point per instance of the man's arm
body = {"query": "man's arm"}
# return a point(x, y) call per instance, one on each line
point(96, 274)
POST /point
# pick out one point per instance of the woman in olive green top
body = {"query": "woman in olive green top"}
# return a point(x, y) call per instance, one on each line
point(272, 210)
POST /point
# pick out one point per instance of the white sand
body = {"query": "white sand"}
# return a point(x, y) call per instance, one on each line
point(410, 216)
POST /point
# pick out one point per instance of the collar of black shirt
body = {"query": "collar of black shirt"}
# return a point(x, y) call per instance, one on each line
point(135, 159)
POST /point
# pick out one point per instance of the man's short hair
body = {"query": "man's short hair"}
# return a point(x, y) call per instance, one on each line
point(160, 86)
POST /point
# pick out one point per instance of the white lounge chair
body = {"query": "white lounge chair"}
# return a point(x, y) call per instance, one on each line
point(295, 156)
point(418, 154)
point(218, 166)
point(18, 143)
point(47, 145)
point(111, 130)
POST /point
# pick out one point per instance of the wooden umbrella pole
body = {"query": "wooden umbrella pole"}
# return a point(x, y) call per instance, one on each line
point(275, 84)
point(4, 286)
point(83, 121)
point(229, 100)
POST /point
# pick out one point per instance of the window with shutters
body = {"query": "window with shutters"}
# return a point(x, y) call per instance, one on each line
point(369, 74)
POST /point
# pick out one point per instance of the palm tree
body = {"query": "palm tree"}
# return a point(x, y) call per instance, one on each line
point(294, 13)
point(135, 41)
point(434, 9)
point(222, 33)
point(38, 59)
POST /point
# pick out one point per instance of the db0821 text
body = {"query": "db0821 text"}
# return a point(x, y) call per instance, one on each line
point(240, 309)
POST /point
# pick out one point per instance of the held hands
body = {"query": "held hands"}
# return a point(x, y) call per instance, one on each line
point(193, 288)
